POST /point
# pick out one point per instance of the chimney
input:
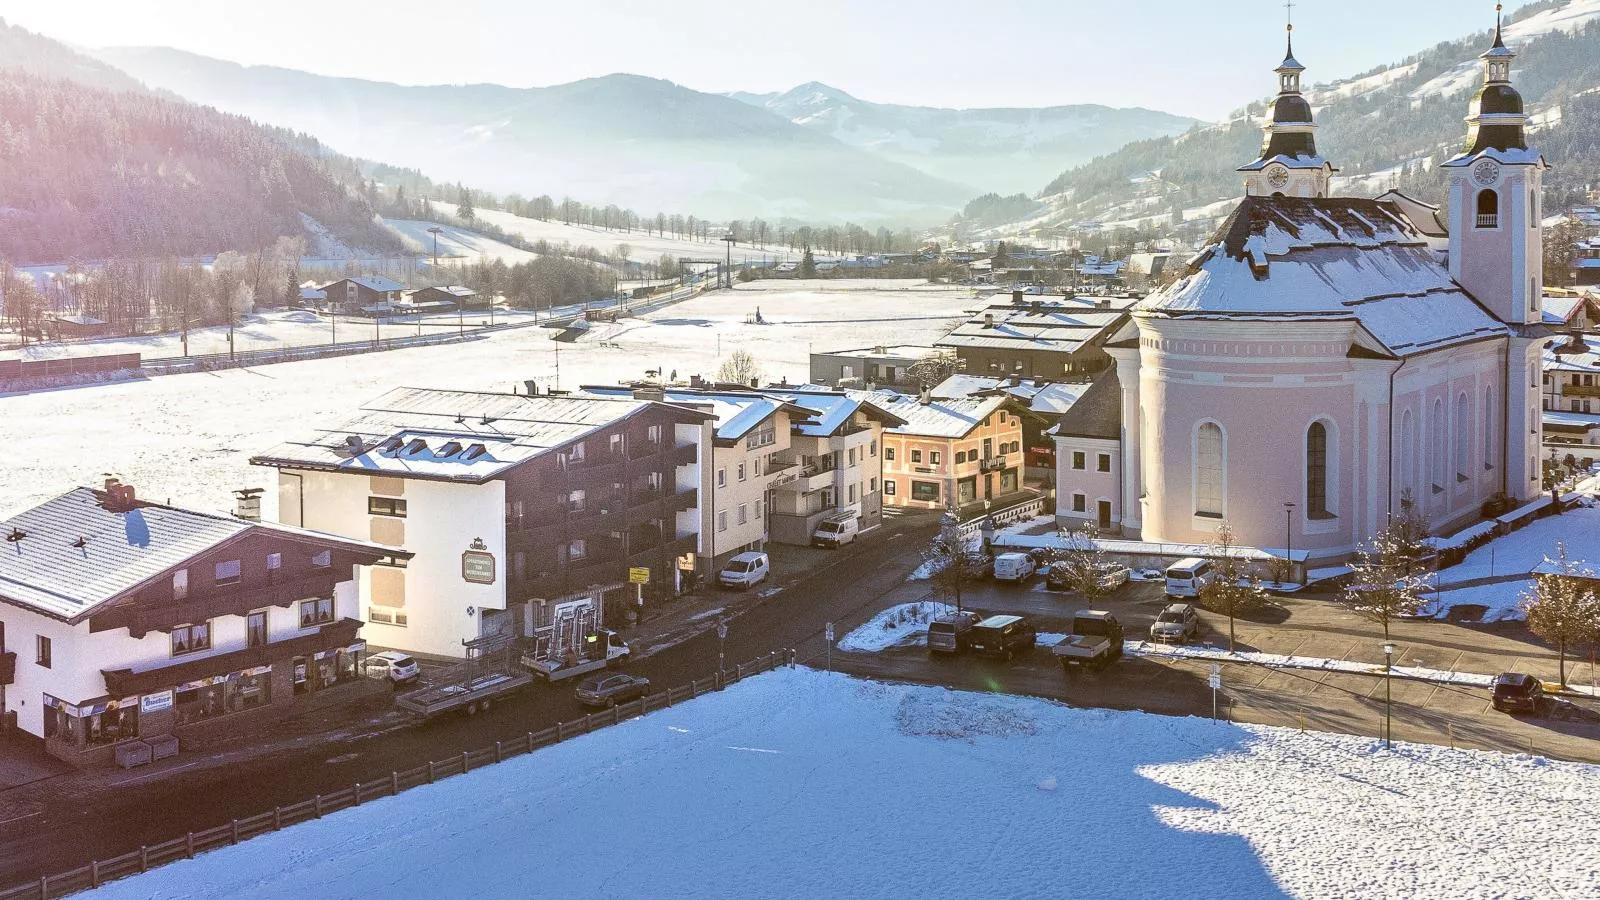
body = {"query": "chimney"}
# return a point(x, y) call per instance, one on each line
point(1038, 306)
point(649, 392)
point(755, 382)
point(1016, 298)
point(111, 482)
point(988, 320)
point(1102, 303)
point(881, 350)
point(533, 387)
point(695, 381)
point(119, 497)
point(247, 504)
point(926, 396)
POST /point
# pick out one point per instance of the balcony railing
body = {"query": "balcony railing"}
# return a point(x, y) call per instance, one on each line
point(220, 601)
point(684, 455)
point(683, 500)
point(1489, 221)
point(644, 497)
point(1580, 390)
point(642, 449)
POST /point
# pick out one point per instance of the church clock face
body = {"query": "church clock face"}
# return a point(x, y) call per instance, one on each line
point(1278, 177)
point(1486, 172)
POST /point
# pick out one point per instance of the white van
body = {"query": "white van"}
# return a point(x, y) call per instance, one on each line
point(745, 571)
point(1016, 567)
point(836, 531)
point(1186, 576)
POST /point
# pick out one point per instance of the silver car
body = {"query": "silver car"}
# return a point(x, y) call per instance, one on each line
point(1178, 623)
point(399, 668)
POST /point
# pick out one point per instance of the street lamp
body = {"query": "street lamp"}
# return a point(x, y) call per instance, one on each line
point(1288, 540)
point(1388, 708)
point(722, 635)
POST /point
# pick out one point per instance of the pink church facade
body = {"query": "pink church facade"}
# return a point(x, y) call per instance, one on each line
point(1319, 368)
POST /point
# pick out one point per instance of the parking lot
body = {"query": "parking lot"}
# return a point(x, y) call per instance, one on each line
point(1313, 626)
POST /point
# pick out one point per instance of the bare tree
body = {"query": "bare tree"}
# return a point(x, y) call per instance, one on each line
point(1562, 607)
point(1386, 576)
point(1235, 586)
point(739, 367)
point(953, 566)
point(932, 369)
point(1084, 563)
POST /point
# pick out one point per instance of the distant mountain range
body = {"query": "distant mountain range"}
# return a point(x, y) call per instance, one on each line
point(991, 150)
point(1387, 128)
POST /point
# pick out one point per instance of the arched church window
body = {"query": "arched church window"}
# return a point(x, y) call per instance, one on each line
point(1408, 455)
point(1210, 461)
point(1463, 442)
point(1488, 208)
point(1488, 428)
point(1317, 472)
point(1436, 448)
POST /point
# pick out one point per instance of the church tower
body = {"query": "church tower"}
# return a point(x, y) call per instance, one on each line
point(1289, 164)
point(1497, 252)
point(1496, 244)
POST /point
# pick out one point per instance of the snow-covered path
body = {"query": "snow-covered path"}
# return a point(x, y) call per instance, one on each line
point(804, 784)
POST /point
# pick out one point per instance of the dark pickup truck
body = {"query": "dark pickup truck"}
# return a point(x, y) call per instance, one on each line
point(1095, 642)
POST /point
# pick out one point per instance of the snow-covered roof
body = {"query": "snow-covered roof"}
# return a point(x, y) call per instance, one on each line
point(1328, 259)
point(832, 409)
point(1047, 398)
point(48, 572)
point(1561, 310)
point(313, 293)
point(452, 435)
point(376, 283)
point(77, 320)
point(943, 418)
point(1512, 157)
point(1288, 162)
point(1059, 324)
point(897, 351)
point(737, 413)
point(1571, 419)
point(1586, 359)
point(454, 290)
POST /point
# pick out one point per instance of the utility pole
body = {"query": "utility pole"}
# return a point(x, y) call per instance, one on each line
point(434, 230)
point(730, 239)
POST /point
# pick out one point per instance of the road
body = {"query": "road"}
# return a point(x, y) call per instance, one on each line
point(70, 831)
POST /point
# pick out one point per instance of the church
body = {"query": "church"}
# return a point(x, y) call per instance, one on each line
point(1325, 363)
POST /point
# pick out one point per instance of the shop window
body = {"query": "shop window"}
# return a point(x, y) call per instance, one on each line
point(191, 638)
point(316, 612)
point(228, 572)
point(925, 491)
point(386, 506)
point(111, 725)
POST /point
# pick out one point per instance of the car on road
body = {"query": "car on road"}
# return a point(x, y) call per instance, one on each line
point(1515, 692)
point(836, 531)
point(1178, 623)
point(1003, 636)
point(609, 690)
point(745, 571)
point(398, 668)
point(1017, 567)
point(951, 632)
point(1095, 642)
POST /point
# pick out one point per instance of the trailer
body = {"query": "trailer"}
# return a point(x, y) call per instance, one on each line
point(490, 672)
point(601, 649)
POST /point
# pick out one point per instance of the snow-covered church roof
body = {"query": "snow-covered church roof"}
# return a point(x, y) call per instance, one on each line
point(1328, 259)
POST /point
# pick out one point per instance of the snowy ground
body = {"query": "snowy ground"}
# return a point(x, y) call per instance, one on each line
point(456, 244)
point(803, 784)
point(189, 437)
point(1520, 551)
point(643, 247)
point(904, 625)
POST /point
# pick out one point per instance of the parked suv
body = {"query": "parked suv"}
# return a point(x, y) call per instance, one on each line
point(1178, 623)
point(745, 571)
point(1003, 636)
point(1515, 692)
point(397, 667)
point(951, 632)
point(609, 690)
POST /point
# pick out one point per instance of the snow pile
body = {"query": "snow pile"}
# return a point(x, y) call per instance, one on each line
point(1279, 661)
point(1520, 551)
point(905, 625)
point(803, 784)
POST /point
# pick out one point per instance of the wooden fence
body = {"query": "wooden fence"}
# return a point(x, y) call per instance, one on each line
point(67, 365)
point(99, 871)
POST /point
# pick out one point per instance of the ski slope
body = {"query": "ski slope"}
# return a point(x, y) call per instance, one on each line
point(643, 246)
point(456, 244)
point(799, 783)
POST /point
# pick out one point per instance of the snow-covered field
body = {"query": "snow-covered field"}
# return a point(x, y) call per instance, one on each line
point(803, 784)
point(643, 246)
point(1520, 551)
point(190, 437)
point(456, 244)
point(261, 331)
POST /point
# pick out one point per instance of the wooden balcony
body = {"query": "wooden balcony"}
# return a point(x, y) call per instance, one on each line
point(1580, 390)
point(230, 600)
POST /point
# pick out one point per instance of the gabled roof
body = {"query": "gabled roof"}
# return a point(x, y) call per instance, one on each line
point(373, 283)
point(454, 290)
point(736, 413)
point(1097, 414)
point(1044, 398)
point(46, 572)
point(1059, 324)
point(937, 418)
point(1328, 259)
point(455, 435)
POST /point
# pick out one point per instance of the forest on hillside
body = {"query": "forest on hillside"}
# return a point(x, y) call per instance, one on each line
point(92, 173)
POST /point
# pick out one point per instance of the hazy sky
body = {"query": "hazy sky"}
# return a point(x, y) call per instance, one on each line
point(1196, 57)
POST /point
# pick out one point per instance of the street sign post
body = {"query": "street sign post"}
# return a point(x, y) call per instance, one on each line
point(1216, 684)
point(722, 635)
point(828, 634)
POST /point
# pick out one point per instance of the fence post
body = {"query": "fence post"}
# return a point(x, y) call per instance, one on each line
point(430, 771)
point(277, 818)
point(499, 753)
point(669, 696)
point(94, 872)
point(394, 782)
point(319, 805)
point(144, 858)
point(355, 795)
point(616, 715)
point(44, 887)
point(234, 823)
point(466, 763)
point(561, 731)
point(188, 845)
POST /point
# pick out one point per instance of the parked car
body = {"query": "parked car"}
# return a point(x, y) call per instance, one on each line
point(1178, 623)
point(399, 668)
point(1017, 567)
point(1095, 642)
point(1186, 577)
point(1058, 577)
point(745, 571)
point(1003, 636)
point(951, 632)
point(1515, 692)
point(836, 531)
point(609, 690)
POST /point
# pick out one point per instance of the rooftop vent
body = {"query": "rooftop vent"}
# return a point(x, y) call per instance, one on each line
point(473, 452)
point(449, 449)
point(416, 446)
point(352, 446)
point(80, 543)
point(393, 445)
point(988, 320)
point(16, 535)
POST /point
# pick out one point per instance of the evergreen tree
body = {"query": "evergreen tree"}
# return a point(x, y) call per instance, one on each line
point(464, 210)
point(808, 265)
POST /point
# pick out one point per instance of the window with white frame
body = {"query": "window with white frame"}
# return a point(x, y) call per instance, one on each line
point(1080, 460)
point(744, 514)
point(888, 487)
point(316, 612)
point(228, 572)
point(1209, 466)
point(577, 549)
point(722, 520)
point(1102, 462)
point(191, 638)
